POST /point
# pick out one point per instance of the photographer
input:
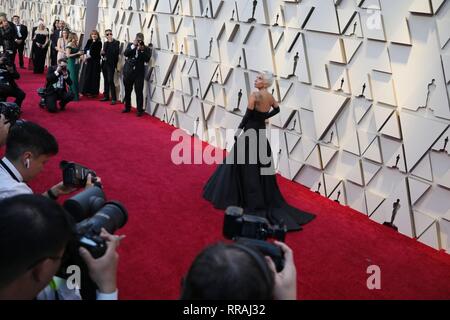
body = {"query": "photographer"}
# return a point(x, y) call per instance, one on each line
point(237, 272)
point(38, 232)
point(58, 80)
point(9, 114)
point(4, 128)
point(8, 36)
point(8, 85)
point(137, 54)
point(28, 148)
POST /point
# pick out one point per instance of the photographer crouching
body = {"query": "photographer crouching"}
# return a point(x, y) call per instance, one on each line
point(58, 81)
point(28, 148)
point(31, 252)
point(8, 85)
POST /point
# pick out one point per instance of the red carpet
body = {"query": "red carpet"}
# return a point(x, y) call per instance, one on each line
point(170, 222)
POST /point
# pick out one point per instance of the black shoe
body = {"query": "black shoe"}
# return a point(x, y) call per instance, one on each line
point(113, 102)
point(140, 113)
point(126, 110)
point(62, 107)
point(104, 99)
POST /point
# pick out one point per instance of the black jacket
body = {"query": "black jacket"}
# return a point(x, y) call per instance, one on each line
point(95, 48)
point(136, 66)
point(54, 39)
point(52, 78)
point(23, 33)
point(111, 56)
point(8, 37)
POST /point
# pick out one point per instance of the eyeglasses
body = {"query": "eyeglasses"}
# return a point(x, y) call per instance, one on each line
point(109, 34)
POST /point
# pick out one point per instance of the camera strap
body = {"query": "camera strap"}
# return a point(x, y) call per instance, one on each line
point(9, 171)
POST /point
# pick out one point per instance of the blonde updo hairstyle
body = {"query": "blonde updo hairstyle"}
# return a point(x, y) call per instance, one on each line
point(268, 78)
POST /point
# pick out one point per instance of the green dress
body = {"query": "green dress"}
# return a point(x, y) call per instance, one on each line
point(74, 69)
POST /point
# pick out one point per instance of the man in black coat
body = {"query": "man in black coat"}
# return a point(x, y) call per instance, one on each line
point(110, 58)
point(8, 85)
point(22, 34)
point(58, 80)
point(57, 33)
point(8, 35)
point(137, 54)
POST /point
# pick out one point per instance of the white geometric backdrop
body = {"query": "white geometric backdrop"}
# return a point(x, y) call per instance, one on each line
point(363, 88)
point(71, 11)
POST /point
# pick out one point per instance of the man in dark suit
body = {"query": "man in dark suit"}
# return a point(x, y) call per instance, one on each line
point(110, 57)
point(8, 85)
point(57, 33)
point(56, 88)
point(8, 35)
point(137, 54)
point(22, 34)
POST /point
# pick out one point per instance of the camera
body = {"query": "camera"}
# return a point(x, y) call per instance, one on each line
point(5, 60)
point(42, 92)
point(75, 175)
point(237, 224)
point(252, 231)
point(11, 111)
point(266, 249)
point(91, 212)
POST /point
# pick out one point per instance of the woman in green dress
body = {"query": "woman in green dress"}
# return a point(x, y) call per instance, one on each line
point(73, 54)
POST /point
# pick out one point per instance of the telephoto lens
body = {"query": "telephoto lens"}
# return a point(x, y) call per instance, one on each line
point(85, 204)
point(112, 216)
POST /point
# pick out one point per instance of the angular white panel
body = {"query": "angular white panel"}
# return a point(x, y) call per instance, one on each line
point(314, 159)
point(339, 195)
point(318, 186)
point(382, 115)
point(419, 135)
point(327, 107)
point(327, 154)
point(324, 8)
point(414, 86)
point(292, 140)
point(421, 6)
point(373, 152)
point(355, 197)
point(423, 169)
point(422, 222)
point(392, 127)
point(369, 170)
point(373, 201)
point(417, 189)
point(402, 218)
point(430, 237)
point(331, 183)
point(356, 175)
point(351, 46)
point(395, 15)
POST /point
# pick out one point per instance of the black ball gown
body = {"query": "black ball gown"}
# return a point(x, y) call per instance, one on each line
point(242, 183)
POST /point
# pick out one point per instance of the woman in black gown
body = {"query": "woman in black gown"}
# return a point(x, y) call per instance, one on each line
point(251, 182)
point(91, 74)
point(40, 48)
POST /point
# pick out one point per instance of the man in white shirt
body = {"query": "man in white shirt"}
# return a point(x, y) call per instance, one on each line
point(28, 148)
point(38, 231)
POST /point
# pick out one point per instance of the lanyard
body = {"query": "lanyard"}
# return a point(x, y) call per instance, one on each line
point(9, 171)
